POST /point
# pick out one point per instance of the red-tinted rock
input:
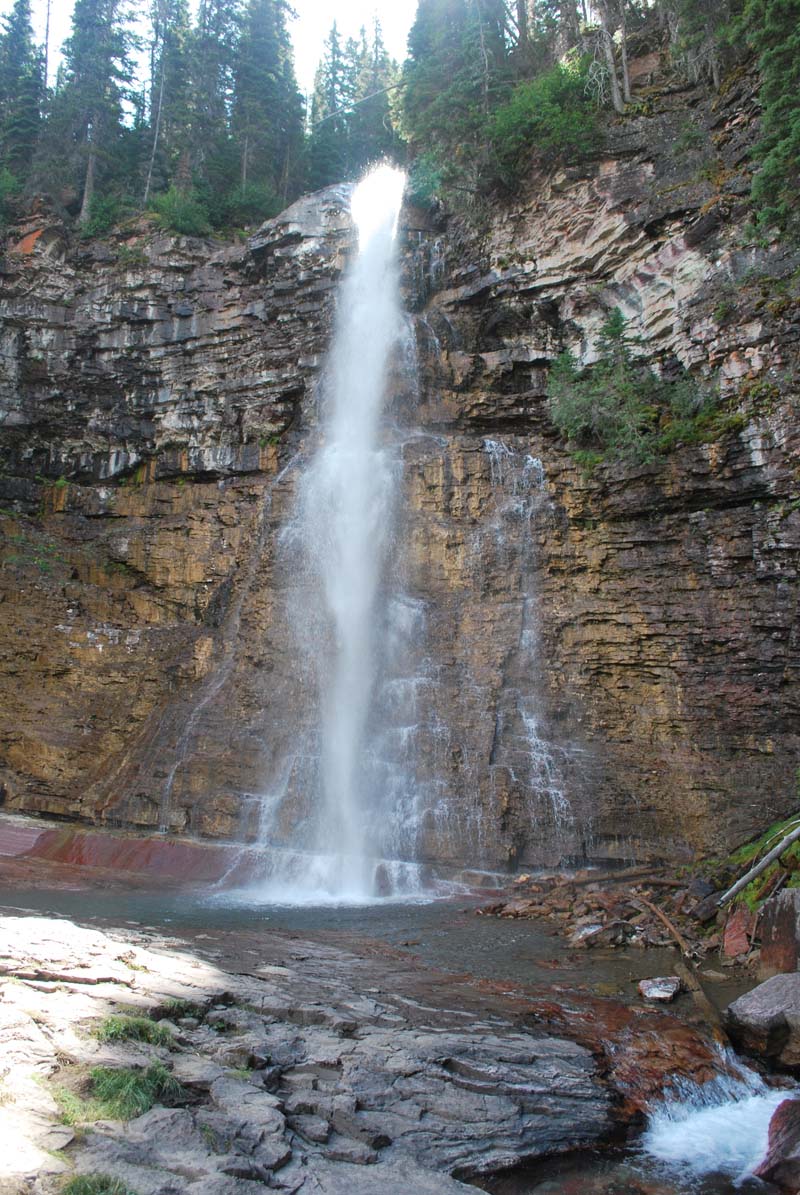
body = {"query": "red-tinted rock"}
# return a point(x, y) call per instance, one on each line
point(738, 928)
point(780, 933)
point(781, 1164)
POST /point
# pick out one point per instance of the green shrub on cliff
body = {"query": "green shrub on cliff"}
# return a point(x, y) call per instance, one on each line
point(619, 405)
point(182, 211)
point(547, 119)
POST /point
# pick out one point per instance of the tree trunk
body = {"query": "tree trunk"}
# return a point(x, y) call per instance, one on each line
point(607, 37)
point(156, 132)
point(88, 186)
point(626, 79)
point(775, 853)
point(47, 46)
point(522, 29)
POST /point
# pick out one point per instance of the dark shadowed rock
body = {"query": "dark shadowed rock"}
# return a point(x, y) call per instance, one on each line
point(766, 1021)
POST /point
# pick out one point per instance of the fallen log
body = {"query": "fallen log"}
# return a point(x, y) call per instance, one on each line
point(756, 871)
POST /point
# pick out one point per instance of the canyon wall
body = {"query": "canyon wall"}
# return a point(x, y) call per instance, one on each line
point(597, 662)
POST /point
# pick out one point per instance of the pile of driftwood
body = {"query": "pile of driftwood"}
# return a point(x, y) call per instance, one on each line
point(634, 907)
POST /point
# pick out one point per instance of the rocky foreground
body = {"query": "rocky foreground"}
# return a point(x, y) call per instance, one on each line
point(300, 1067)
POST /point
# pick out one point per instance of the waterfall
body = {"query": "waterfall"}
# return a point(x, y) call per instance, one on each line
point(339, 539)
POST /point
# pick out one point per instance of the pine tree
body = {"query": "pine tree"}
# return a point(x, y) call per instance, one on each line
point(85, 131)
point(169, 90)
point(267, 116)
point(773, 29)
point(457, 71)
point(210, 160)
point(21, 91)
point(372, 134)
point(333, 92)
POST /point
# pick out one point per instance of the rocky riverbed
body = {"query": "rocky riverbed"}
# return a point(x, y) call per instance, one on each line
point(303, 1066)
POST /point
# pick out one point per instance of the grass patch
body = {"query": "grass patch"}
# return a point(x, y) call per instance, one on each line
point(134, 1028)
point(128, 1093)
point(119, 1094)
point(95, 1184)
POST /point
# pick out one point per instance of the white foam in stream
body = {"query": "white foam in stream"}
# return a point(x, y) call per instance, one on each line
point(721, 1127)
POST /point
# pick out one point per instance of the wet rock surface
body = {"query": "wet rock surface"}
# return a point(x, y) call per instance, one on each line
point(780, 934)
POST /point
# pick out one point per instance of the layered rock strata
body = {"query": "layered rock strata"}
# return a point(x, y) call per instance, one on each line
point(601, 664)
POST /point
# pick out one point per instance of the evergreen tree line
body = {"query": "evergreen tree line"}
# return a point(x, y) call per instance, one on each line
point(492, 87)
point(218, 135)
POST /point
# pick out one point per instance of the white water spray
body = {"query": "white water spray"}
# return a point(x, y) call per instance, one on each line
point(346, 504)
point(721, 1127)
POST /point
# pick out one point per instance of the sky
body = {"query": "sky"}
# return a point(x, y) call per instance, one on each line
point(314, 19)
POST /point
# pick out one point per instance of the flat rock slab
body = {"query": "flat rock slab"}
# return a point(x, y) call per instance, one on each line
point(329, 1091)
point(766, 1021)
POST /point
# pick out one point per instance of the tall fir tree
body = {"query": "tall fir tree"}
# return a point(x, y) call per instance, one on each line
point(372, 132)
point(211, 155)
point(458, 69)
point(85, 131)
point(773, 30)
point(21, 91)
point(333, 92)
point(169, 107)
point(267, 114)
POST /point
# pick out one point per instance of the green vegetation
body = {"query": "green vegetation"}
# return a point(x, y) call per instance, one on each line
point(788, 865)
point(134, 1028)
point(172, 1009)
point(95, 1184)
point(212, 133)
point(183, 212)
point(32, 550)
point(772, 28)
point(119, 1094)
point(546, 119)
point(618, 408)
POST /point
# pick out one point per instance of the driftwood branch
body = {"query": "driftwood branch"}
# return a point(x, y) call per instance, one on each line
point(770, 857)
point(686, 950)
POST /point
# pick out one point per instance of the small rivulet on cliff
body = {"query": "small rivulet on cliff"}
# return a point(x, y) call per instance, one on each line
point(609, 664)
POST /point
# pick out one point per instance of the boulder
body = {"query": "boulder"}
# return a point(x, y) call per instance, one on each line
point(781, 1164)
point(780, 933)
point(766, 1021)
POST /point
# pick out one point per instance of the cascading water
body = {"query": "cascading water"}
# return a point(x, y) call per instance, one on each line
point(721, 1127)
point(346, 502)
point(339, 538)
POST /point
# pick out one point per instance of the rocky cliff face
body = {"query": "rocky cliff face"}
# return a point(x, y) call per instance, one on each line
point(602, 664)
